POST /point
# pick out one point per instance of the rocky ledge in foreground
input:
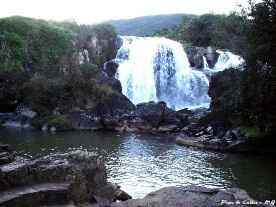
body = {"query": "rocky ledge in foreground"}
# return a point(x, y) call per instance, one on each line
point(79, 178)
point(6, 154)
point(62, 179)
point(192, 196)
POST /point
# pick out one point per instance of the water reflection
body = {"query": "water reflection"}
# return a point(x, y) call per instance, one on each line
point(144, 163)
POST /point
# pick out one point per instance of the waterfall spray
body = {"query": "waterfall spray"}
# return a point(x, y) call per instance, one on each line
point(157, 69)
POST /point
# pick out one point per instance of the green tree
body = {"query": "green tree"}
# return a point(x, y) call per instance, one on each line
point(259, 91)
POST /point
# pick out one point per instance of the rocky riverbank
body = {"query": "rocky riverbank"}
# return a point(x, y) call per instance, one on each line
point(78, 178)
point(75, 177)
point(190, 196)
point(212, 128)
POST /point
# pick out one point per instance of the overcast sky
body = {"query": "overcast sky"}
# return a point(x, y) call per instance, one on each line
point(92, 11)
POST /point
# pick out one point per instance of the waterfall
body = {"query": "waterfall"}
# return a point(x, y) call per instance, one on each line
point(227, 60)
point(157, 69)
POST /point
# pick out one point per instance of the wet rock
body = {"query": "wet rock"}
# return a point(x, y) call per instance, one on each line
point(158, 115)
point(110, 81)
point(106, 115)
point(110, 68)
point(6, 154)
point(211, 57)
point(196, 56)
point(121, 195)
point(53, 129)
point(227, 143)
point(78, 176)
point(190, 196)
point(85, 120)
point(15, 120)
point(21, 118)
point(36, 195)
point(25, 111)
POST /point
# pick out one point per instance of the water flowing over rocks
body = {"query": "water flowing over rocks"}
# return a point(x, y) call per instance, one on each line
point(197, 55)
point(168, 72)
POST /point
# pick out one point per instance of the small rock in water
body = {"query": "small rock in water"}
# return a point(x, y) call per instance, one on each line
point(53, 129)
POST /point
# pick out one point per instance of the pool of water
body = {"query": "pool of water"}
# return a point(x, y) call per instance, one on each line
point(142, 163)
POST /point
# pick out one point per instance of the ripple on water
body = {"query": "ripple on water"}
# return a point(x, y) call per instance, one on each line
point(144, 163)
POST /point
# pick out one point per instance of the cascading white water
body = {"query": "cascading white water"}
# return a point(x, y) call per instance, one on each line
point(157, 69)
point(227, 60)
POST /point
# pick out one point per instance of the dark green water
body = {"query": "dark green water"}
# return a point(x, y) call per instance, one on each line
point(144, 163)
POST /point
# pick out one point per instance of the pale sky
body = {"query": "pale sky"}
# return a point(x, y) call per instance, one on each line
point(92, 11)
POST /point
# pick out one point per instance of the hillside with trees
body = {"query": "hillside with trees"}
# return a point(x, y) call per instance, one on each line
point(220, 31)
point(148, 25)
point(53, 65)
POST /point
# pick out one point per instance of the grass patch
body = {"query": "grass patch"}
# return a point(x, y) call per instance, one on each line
point(251, 132)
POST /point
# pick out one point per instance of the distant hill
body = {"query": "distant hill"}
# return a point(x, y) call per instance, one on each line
point(147, 25)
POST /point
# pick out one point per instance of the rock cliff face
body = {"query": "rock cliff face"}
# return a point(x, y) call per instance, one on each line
point(196, 56)
point(96, 44)
point(225, 92)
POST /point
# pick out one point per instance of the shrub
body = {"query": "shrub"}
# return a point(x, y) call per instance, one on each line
point(60, 122)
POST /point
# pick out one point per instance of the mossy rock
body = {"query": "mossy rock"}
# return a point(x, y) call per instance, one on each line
point(60, 122)
point(251, 132)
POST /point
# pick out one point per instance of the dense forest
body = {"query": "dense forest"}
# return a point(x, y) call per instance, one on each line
point(250, 34)
point(221, 31)
point(52, 65)
point(148, 25)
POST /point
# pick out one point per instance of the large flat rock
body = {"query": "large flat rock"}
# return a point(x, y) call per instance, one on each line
point(47, 193)
point(190, 196)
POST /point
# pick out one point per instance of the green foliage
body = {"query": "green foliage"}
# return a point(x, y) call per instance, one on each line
point(63, 94)
point(11, 52)
point(221, 31)
point(148, 25)
point(259, 88)
point(60, 122)
point(32, 45)
point(99, 40)
point(40, 64)
point(251, 132)
point(50, 47)
point(89, 70)
point(10, 89)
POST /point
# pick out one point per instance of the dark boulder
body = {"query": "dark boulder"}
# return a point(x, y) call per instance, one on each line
point(153, 113)
point(107, 77)
point(158, 115)
point(110, 68)
point(211, 57)
point(115, 105)
point(112, 82)
point(195, 56)
point(225, 91)
point(118, 42)
point(106, 115)
point(6, 154)
point(77, 176)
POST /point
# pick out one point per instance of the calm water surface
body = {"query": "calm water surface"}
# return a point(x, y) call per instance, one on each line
point(144, 163)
